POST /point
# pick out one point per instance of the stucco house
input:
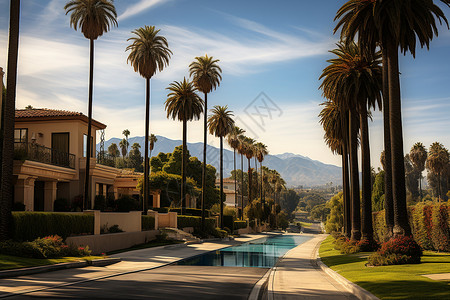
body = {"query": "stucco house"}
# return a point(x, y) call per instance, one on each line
point(228, 189)
point(50, 160)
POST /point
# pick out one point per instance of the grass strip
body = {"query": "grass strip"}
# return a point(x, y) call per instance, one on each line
point(8, 262)
point(391, 282)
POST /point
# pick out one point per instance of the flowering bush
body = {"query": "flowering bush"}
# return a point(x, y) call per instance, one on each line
point(366, 245)
point(399, 250)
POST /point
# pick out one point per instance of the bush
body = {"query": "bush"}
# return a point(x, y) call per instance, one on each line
point(228, 222)
point(126, 204)
point(368, 246)
point(190, 212)
point(196, 223)
point(441, 233)
point(399, 250)
point(219, 233)
point(31, 225)
point(239, 224)
point(100, 203)
point(148, 223)
point(18, 206)
point(61, 205)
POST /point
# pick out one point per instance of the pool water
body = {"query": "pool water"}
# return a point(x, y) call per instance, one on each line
point(262, 253)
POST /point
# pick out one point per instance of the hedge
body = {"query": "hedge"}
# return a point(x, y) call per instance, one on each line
point(196, 223)
point(190, 212)
point(240, 224)
point(29, 226)
point(430, 225)
point(228, 222)
point(148, 223)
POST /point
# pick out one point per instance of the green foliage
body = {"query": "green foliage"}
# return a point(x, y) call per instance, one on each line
point(61, 205)
point(283, 220)
point(289, 200)
point(335, 220)
point(228, 222)
point(396, 251)
point(100, 202)
point(441, 232)
point(422, 225)
point(379, 226)
point(239, 224)
point(219, 233)
point(31, 225)
point(378, 192)
point(135, 159)
point(148, 223)
point(320, 212)
point(189, 211)
point(126, 204)
point(18, 206)
point(195, 222)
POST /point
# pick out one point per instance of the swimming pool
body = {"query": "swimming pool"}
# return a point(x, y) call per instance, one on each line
point(261, 253)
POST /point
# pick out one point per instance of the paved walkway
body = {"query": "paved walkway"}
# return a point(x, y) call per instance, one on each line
point(298, 277)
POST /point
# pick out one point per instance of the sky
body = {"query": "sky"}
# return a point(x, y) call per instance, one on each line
point(271, 53)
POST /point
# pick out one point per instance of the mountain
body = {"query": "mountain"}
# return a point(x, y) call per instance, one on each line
point(294, 168)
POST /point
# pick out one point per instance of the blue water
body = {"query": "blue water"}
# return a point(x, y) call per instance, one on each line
point(262, 253)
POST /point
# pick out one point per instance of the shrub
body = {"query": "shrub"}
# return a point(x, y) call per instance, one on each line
point(148, 223)
point(100, 202)
point(239, 224)
point(126, 204)
point(77, 203)
point(228, 222)
point(441, 233)
point(18, 206)
point(350, 247)
point(219, 233)
point(31, 225)
point(399, 250)
point(368, 246)
point(196, 223)
point(190, 211)
point(61, 205)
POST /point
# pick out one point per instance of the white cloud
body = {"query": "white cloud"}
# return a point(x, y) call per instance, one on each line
point(139, 7)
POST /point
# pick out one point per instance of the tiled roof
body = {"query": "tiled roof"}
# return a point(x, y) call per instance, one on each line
point(46, 114)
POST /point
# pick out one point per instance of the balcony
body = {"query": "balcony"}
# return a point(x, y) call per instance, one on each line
point(39, 153)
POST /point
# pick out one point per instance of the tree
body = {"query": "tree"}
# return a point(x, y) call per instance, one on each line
point(248, 150)
point(206, 75)
point(126, 133)
point(233, 142)
point(135, 158)
point(149, 52)
point(113, 150)
point(412, 176)
point(8, 116)
point(94, 17)
point(185, 105)
point(220, 124)
point(261, 152)
point(153, 139)
point(418, 155)
point(437, 162)
point(378, 192)
point(241, 151)
point(123, 144)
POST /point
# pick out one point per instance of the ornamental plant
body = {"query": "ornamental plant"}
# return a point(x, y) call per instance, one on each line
point(399, 250)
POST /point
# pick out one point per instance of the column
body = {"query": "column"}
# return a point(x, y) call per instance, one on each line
point(49, 195)
point(24, 191)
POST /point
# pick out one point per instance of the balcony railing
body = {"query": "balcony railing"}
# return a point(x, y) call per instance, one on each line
point(39, 153)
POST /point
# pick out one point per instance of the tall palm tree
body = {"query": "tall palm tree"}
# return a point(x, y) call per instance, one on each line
point(94, 17)
point(249, 152)
point(220, 124)
point(331, 117)
point(126, 133)
point(8, 116)
point(185, 105)
point(149, 52)
point(261, 152)
point(123, 144)
point(206, 75)
point(233, 142)
point(241, 151)
point(153, 139)
point(437, 162)
point(402, 25)
point(418, 155)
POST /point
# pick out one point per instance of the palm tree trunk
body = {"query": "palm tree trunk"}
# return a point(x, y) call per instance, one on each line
point(261, 179)
point(235, 179)
point(388, 201)
point(183, 169)
point(366, 224)
point(401, 225)
point(147, 129)
point(346, 192)
point(9, 116)
point(205, 139)
point(256, 178)
point(221, 182)
point(249, 182)
point(354, 174)
point(87, 177)
point(242, 186)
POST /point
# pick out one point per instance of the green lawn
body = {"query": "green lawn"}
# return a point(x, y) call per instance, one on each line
point(304, 224)
point(391, 282)
point(8, 262)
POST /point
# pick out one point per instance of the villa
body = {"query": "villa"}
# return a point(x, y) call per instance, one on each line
point(229, 191)
point(50, 161)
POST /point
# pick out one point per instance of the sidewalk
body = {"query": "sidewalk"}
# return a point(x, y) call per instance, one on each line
point(297, 277)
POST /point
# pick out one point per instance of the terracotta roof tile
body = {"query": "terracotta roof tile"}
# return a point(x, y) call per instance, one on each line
point(44, 112)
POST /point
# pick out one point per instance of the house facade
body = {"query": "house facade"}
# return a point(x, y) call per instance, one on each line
point(50, 161)
point(229, 191)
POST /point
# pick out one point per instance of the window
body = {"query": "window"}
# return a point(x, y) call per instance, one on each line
point(21, 135)
point(85, 145)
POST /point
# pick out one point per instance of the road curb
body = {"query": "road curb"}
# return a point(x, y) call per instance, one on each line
point(353, 288)
point(56, 267)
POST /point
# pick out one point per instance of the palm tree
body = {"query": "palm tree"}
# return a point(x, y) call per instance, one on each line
point(123, 144)
point(8, 116)
point(94, 17)
point(206, 75)
point(185, 105)
point(241, 151)
point(126, 133)
point(331, 117)
point(233, 141)
point(249, 153)
point(221, 124)
point(153, 139)
point(401, 25)
point(418, 155)
point(149, 53)
point(261, 152)
point(437, 162)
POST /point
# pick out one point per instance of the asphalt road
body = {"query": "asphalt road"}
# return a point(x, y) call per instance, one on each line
point(170, 282)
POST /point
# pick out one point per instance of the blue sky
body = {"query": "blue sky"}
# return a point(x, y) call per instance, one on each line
point(275, 47)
